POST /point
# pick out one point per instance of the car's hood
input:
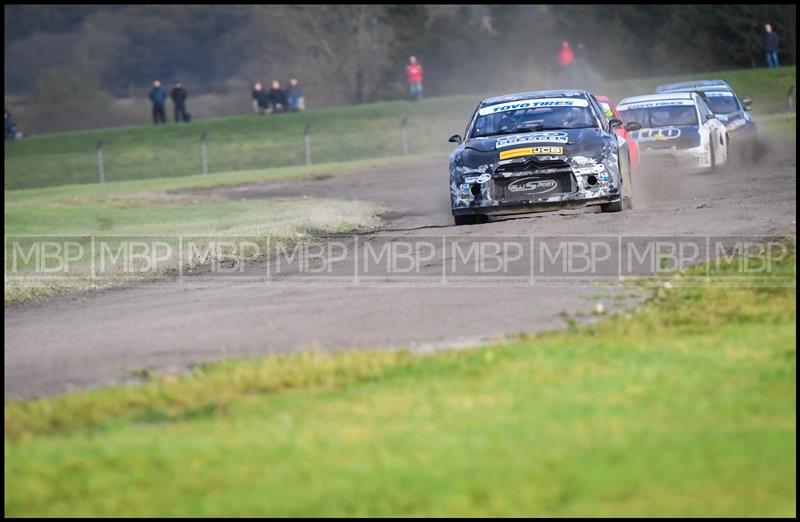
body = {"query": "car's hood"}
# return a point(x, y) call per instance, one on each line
point(725, 118)
point(680, 136)
point(583, 142)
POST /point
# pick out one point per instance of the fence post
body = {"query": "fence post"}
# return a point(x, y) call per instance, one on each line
point(203, 154)
point(101, 170)
point(789, 98)
point(404, 133)
point(307, 143)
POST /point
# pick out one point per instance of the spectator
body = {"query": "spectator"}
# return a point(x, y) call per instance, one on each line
point(414, 77)
point(277, 97)
point(294, 96)
point(565, 55)
point(179, 95)
point(11, 127)
point(771, 46)
point(158, 96)
point(260, 100)
point(567, 67)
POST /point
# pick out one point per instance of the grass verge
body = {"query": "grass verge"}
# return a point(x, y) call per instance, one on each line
point(686, 407)
point(248, 142)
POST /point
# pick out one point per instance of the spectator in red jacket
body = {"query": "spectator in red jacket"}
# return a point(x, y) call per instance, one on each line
point(565, 55)
point(414, 76)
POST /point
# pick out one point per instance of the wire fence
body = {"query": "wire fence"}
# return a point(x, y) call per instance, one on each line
point(211, 147)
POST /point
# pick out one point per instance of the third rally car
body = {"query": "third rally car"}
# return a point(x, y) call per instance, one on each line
point(537, 151)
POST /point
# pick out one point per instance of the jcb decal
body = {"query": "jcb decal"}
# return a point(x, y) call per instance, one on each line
point(530, 151)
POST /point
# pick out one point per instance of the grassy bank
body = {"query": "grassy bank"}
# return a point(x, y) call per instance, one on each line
point(337, 134)
point(686, 407)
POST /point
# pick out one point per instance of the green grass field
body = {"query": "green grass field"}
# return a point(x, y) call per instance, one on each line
point(684, 407)
point(337, 134)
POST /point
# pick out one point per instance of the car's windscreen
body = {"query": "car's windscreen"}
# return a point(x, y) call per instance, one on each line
point(722, 102)
point(531, 116)
point(662, 116)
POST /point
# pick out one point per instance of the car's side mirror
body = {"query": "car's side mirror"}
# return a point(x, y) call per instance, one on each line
point(613, 123)
point(455, 138)
point(633, 126)
point(747, 102)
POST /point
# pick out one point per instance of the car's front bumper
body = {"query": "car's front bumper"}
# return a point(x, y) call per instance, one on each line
point(502, 208)
point(693, 157)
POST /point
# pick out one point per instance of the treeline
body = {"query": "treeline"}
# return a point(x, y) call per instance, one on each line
point(65, 56)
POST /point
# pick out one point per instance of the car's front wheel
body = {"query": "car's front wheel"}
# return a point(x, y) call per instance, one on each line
point(470, 219)
point(614, 206)
point(627, 187)
point(712, 158)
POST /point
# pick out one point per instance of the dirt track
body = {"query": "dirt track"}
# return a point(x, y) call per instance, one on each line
point(85, 341)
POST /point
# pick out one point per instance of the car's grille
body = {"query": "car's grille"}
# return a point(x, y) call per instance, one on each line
point(535, 186)
point(532, 165)
point(533, 178)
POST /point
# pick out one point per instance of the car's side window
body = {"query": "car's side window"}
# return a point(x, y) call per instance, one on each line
point(598, 113)
point(703, 109)
point(701, 112)
point(471, 122)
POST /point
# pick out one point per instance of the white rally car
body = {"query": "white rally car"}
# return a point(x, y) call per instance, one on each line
point(677, 126)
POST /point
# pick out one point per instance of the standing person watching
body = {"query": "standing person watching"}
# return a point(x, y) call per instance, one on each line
point(294, 96)
point(277, 97)
point(414, 77)
point(158, 96)
point(179, 95)
point(260, 100)
point(565, 59)
point(11, 127)
point(771, 46)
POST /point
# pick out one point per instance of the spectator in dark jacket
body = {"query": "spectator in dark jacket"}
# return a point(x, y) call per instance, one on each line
point(277, 97)
point(260, 99)
point(179, 95)
point(11, 127)
point(158, 96)
point(771, 46)
point(294, 96)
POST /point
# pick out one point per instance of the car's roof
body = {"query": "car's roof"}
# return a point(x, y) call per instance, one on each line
point(657, 97)
point(534, 94)
point(603, 97)
point(699, 85)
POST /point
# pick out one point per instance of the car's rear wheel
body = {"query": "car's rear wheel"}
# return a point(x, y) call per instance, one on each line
point(471, 219)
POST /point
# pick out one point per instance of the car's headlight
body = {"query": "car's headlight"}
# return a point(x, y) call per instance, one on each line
point(735, 124)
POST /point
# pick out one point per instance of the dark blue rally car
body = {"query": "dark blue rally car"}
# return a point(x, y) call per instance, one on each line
point(538, 151)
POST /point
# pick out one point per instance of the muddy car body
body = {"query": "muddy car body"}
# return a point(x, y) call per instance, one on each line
point(538, 151)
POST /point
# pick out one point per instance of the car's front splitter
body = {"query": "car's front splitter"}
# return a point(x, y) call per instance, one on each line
point(500, 208)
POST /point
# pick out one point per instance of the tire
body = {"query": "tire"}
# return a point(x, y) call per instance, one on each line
point(471, 219)
point(713, 167)
point(627, 188)
point(614, 206)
